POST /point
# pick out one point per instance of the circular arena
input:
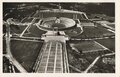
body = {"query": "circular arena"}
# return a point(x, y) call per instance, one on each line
point(57, 24)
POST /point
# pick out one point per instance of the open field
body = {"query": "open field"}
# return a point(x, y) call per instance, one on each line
point(25, 52)
point(17, 30)
point(109, 43)
point(93, 32)
point(33, 31)
point(14, 28)
point(4, 46)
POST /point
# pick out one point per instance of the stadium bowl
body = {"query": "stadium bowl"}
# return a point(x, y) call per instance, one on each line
point(64, 24)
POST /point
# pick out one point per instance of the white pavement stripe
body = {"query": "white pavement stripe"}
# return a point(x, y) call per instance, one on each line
point(30, 37)
point(55, 57)
point(109, 54)
point(23, 19)
point(29, 25)
point(92, 64)
point(61, 57)
point(25, 40)
point(101, 45)
point(50, 46)
point(48, 57)
point(111, 30)
point(105, 25)
point(40, 57)
point(41, 28)
point(25, 30)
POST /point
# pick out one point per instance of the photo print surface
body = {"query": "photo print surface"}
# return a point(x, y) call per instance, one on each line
point(58, 37)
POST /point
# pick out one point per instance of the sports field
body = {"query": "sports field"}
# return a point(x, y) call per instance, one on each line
point(87, 46)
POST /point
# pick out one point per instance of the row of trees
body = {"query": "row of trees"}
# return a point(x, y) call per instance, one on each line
point(103, 8)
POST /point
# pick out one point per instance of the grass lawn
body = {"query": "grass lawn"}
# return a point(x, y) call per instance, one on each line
point(93, 32)
point(109, 43)
point(17, 30)
point(27, 20)
point(34, 32)
point(25, 52)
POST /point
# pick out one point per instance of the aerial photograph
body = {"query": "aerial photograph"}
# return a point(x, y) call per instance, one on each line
point(58, 37)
